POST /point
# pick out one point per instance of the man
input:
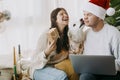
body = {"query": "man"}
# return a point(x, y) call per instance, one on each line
point(102, 38)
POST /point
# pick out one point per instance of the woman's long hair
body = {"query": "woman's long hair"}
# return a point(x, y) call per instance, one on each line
point(62, 42)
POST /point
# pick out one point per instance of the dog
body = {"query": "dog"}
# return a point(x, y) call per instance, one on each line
point(76, 37)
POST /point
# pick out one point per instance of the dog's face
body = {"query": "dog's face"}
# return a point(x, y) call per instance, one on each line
point(76, 36)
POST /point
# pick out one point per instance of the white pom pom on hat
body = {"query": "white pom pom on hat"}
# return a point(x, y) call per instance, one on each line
point(99, 8)
point(110, 11)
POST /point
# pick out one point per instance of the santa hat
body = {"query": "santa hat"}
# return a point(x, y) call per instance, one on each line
point(99, 8)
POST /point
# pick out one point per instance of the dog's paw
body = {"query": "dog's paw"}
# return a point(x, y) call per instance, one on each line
point(25, 77)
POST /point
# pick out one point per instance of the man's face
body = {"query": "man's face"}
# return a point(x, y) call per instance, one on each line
point(90, 19)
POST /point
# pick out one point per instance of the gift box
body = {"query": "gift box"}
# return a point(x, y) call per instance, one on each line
point(52, 35)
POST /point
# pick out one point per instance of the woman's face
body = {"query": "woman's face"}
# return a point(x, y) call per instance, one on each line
point(62, 19)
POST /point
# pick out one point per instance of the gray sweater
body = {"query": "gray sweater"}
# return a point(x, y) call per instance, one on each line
point(104, 42)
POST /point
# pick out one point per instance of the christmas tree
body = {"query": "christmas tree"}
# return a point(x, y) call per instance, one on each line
point(115, 19)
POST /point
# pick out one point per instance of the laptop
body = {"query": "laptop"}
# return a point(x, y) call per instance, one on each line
point(94, 64)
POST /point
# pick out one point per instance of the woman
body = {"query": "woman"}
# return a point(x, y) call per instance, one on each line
point(42, 64)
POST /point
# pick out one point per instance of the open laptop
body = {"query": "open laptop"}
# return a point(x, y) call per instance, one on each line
point(95, 64)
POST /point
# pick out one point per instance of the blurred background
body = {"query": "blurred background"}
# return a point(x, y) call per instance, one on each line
point(29, 18)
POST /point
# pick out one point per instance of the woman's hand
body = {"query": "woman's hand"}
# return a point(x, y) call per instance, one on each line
point(50, 47)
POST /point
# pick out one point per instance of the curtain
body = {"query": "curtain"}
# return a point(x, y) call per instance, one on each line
point(29, 18)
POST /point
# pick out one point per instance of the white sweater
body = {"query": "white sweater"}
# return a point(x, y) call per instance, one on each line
point(104, 42)
point(38, 59)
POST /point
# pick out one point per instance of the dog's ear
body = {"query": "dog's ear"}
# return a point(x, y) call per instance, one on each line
point(82, 22)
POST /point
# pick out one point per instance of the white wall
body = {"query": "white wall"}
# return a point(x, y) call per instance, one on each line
point(74, 8)
point(29, 18)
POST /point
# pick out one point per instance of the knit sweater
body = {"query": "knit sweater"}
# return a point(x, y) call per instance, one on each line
point(39, 60)
point(104, 42)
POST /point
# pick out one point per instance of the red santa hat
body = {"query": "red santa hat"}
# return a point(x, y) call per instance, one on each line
point(99, 8)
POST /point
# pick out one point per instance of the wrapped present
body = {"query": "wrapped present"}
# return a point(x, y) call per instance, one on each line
point(52, 35)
